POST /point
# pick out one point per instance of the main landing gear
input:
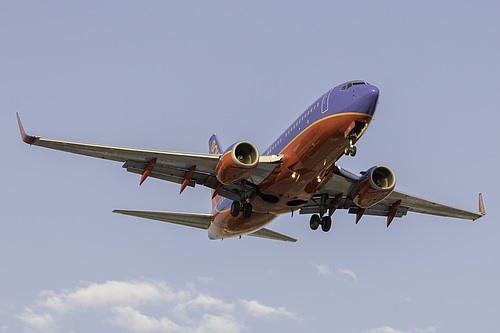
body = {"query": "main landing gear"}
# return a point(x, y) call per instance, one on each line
point(351, 149)
point(245, 208)
point(325, 222)
point(243, 205)
point(321, 219)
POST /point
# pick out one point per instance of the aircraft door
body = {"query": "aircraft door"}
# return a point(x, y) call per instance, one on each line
point(324, 101)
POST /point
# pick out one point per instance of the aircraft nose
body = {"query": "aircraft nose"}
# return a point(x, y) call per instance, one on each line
point(366, 99)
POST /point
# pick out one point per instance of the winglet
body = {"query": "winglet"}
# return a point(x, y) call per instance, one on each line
point(25, 137)
point(482, 210)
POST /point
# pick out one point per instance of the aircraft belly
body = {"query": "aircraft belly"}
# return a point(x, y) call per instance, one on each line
point(308, 164)
point(226, 226)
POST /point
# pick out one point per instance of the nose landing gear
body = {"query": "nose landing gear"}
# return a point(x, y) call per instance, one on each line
point(351, 149)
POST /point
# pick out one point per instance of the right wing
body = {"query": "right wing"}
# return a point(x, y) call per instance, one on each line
point(343, 182)
point(200, 221)
point(169, 166)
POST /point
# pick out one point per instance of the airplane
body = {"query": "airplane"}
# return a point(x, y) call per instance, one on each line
point(298, 171)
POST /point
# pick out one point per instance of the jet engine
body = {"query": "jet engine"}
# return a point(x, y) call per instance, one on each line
point(374, 186)
point(237, 163)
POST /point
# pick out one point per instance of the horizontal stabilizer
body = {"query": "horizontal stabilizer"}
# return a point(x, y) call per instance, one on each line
point(269, 234)
point(200, 221)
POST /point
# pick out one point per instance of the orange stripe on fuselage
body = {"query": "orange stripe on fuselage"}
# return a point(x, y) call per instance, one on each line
point(310, 155)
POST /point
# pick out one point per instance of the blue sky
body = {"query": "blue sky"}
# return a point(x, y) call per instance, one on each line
point(166, 75)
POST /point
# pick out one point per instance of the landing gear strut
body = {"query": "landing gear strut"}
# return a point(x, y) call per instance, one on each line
point(243, 206)
point(321, 219)
point(351, 149)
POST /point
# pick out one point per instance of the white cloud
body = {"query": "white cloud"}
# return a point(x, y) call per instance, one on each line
point(206, 302)
point(384, 329)
point(218, 324)
point(42, 322)
point(387, 329)
point(257, 309)
point(348, 272)
point(123, 303)
point(426, 330)
point(109, 293)
point(323, 269)
point(341, 272)
point(135, 321)
point(205, 280)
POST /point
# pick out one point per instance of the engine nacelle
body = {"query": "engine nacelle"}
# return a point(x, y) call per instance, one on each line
point(374, 186)
point(237, 163)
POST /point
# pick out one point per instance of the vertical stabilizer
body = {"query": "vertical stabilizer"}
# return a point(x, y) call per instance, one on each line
point(214, 147)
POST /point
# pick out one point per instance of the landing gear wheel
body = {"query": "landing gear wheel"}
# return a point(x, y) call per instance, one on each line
point(247, 210)
point(350, 149)
point(235, 208)
point(326, 223)
point(315, 222)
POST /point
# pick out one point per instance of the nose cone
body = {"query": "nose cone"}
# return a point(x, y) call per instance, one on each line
point(365, 99)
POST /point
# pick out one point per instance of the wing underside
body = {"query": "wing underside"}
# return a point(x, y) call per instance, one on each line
point(170, 166)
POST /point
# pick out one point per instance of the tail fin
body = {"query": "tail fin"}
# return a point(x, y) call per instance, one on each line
point(214, 147)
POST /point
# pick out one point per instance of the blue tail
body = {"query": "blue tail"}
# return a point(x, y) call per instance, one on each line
point(214, 146)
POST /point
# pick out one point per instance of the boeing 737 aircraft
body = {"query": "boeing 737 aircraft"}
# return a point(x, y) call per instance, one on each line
point(298, 171)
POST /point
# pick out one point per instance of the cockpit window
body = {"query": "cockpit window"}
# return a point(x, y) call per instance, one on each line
point(350, 84)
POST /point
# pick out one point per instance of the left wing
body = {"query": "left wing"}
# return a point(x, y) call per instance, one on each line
point(336, 195)
point(171, 166)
